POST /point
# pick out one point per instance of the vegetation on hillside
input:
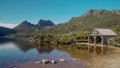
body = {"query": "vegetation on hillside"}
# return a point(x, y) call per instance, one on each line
point(88, 21)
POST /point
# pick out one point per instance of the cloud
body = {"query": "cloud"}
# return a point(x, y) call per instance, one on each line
point(8, 25)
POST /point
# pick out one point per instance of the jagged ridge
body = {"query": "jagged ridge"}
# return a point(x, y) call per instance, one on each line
point(26, 26)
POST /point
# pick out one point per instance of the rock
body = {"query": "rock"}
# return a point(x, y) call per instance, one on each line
point(53, 61)
point(96, 12)
point(44, 61)
point(62, 60)
point(14, 67)
point(74, 58)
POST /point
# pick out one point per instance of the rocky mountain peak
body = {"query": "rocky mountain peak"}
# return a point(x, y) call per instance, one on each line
point(43, 23)
point(96, 12)
point(25, 26)
point(100, 12)
point(25, 22)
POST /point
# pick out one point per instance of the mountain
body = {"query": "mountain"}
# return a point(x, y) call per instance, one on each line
point(44, 23)
point(88, 21)
point(6, 31)
point(26, 26)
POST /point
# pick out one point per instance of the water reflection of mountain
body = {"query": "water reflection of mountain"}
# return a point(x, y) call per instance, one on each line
point(44, 50)
point(22, 45)
point(5, 40)
point(25, 46)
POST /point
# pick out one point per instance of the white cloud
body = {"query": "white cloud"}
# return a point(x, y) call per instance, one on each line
point(8, 25)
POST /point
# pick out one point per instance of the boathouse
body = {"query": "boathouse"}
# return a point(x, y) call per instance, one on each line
point(99, 37)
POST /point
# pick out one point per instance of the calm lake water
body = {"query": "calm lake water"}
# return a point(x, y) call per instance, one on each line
point(17, 51)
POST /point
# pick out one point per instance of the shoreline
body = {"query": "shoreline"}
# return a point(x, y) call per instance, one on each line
point(110, 60)
point(69, 64)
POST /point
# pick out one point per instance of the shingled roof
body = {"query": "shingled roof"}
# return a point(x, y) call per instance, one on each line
point(103, 32)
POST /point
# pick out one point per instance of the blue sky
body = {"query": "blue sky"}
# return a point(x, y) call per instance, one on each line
point(12, 12)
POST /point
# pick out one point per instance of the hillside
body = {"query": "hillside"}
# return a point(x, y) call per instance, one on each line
point(90, 20)
point(6, 31)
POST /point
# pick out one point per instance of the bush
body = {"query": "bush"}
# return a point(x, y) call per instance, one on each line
point(117, 39)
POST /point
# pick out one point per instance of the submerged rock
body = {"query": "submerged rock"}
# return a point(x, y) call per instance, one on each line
point(44, 61)
point(53, 61)
point(62, 60)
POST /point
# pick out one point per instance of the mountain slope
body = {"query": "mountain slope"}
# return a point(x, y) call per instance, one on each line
point(90, 20)
point(6, 31)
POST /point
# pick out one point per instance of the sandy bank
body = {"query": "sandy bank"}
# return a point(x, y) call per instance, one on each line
point(110, 60)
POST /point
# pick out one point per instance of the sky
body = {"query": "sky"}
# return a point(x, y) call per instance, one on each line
point(13, 12)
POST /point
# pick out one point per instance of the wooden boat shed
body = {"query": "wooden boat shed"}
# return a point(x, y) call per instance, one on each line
point(100, 37)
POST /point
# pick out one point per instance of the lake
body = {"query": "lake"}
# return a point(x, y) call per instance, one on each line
point(14, 51)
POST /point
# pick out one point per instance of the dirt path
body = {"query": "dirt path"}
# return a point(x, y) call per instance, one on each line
point(110, 60)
